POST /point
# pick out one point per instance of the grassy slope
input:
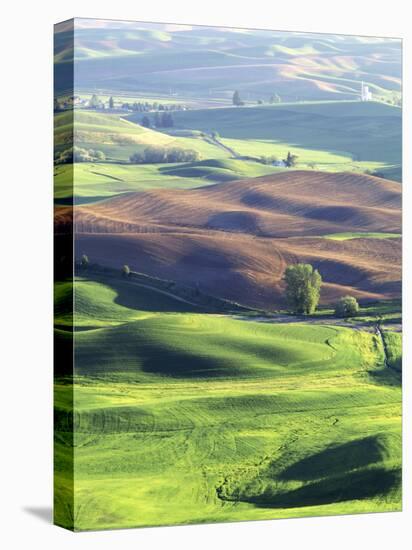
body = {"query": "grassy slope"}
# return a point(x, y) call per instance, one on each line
point(393, 345)
point(100, 305)
point(329, 136)
point(367, 235)
point(118, 139)
point(101, 180)
point(224, 416)
point(333, 135)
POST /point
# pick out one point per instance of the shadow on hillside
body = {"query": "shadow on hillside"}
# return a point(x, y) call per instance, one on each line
point(137, 347)
point(387, 376)
point(346, 472)
point(352, 486)
point(141, 298)
point(339, 459)
point(182, 364)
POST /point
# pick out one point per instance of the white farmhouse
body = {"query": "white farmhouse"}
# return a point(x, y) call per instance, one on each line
point(366, 95)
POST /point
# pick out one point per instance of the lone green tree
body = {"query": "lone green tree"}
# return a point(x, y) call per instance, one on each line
point(290, 160)
point(303, 284)
point(236, 100)
point(111, 103)
point(347, 307)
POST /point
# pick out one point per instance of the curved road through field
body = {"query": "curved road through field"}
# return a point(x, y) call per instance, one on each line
point(214, 141)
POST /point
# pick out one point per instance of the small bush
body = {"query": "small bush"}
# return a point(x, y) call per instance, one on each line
point(347, 307)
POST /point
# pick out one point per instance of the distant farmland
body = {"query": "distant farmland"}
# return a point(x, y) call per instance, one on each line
point(332, 135)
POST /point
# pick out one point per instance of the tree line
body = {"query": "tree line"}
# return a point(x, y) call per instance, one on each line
point(289, 161)
point(238, 101)
point(164, 120)
point(146, 106)
point(78, 154)
point(156, 154)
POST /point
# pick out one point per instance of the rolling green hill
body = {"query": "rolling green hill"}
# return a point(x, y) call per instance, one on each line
point(187, 417)
point(119, 138)
point(331, 135)
point(100, 305)
point(96, 181)
point(218, 170)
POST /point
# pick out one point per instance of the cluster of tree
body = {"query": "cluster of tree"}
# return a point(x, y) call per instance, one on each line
point(145, 106)
point(397, 101)
point(275, 98)
point(65, 103)
point(78, 154)
point(59, 105)
point(95, 102)
point(236, 99)
point(164, 120)
point(156, 154)
point(85, 263)
point(394, 99)
point(290, 160)
point(303, 285)
point(268, 159)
